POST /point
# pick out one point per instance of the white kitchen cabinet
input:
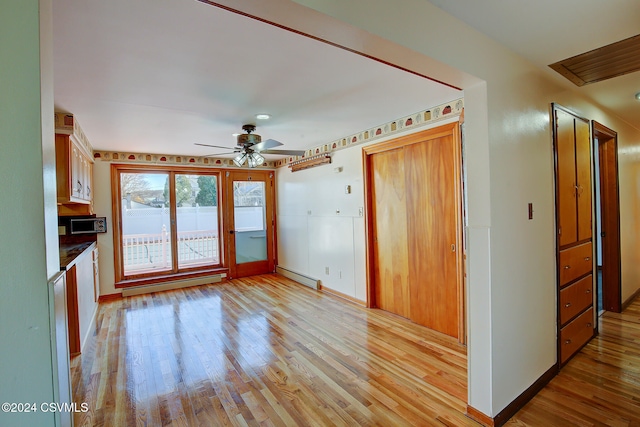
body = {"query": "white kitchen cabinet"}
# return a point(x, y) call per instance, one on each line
point(81, 299)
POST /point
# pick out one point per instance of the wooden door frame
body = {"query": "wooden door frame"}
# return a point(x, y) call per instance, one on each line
point(268, 176)
point(601, 136)
point(436, 132)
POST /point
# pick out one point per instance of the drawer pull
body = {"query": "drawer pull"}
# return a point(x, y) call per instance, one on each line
point(566, 267)
point(567, 342)
point(588, 258)
point(589, 325)
point(588, 291)
point(567, 305)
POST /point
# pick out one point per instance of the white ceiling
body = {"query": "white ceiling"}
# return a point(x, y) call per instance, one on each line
point(144, 78)
point(156, 79)
point(548, 31)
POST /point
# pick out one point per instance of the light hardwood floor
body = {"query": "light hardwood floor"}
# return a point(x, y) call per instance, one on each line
point(264, 351)
point(600, 386)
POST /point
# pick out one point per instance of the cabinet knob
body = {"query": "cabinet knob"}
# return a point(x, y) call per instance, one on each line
point(589, 325)
point(566, 267)
point(567, 305)
point(588, 291)
point(567, 342)
point(588, 258)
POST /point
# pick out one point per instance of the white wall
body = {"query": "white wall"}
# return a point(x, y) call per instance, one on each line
point(320, 227)
point(29, 250)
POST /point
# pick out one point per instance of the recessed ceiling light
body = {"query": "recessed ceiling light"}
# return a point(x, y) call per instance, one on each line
point(263, 116)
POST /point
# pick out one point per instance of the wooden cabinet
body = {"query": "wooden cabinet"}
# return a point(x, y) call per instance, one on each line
point(73, 172)
point(572, 145)
point(74, 168)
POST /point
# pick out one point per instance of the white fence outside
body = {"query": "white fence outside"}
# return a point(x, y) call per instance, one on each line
point(146, 244)
point(146, 240)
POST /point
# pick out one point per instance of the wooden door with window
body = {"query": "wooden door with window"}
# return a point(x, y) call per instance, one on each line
point(414, 209)
point(250, 222)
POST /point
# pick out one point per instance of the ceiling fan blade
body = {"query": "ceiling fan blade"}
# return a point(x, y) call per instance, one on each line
point(284, 152)
point(221, 154)
point(214, 146)
point(265, 145)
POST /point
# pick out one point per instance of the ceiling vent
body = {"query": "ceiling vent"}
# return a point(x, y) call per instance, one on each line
point(606, 62)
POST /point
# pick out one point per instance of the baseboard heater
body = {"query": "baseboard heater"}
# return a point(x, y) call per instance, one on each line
point(139, 290)
point(300, 278)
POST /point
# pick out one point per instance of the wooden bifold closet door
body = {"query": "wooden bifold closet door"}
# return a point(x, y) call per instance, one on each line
point(414, 217)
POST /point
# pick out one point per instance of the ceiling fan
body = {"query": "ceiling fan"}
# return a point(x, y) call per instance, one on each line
point(250, 148)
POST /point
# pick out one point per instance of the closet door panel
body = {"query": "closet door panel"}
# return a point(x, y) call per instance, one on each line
point(566, 180)
point(583, 177)
point(391, 271)
point(432, 220)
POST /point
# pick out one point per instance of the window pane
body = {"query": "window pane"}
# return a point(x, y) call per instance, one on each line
point(197, 220)
point(249, 221)
point(146, 225)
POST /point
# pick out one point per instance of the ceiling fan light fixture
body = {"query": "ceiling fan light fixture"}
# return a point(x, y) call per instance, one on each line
point(255, 160)
point(263, 116)
point(240, 159)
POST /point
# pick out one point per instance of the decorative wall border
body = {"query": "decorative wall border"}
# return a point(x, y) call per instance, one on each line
point(416, 120)
point(111, 156)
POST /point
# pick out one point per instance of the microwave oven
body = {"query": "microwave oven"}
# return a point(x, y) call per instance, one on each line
point(88, 225)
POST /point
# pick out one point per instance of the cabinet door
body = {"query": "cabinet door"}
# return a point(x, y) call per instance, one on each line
point(76, 172)
point(566, 178)
point(88, 181)
point(583, 178)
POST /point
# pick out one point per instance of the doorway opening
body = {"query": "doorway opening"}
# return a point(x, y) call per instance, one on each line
point(605, 147)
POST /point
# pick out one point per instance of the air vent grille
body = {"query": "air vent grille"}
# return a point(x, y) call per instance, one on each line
point(609, 61)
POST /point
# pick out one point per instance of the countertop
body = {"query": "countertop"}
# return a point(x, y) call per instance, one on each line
point(70, 252)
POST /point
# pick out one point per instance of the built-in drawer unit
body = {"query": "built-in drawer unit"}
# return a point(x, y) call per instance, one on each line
point(576, 334)
point(575, 298)
point(575, 262)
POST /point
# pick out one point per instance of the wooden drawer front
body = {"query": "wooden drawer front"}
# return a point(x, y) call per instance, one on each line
point(575, 298)
point(575, 262)
point(575, 334)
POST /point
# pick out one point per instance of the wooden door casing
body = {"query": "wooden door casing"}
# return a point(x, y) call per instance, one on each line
point(414, 218)
point(607, 146)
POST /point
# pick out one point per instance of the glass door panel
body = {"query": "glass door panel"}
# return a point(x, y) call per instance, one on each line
point(250, 228)
point(146, 223)
point(250, 222)
point(197, 220)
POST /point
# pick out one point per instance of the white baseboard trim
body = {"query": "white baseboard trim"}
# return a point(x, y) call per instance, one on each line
point(300, 278)
point(139, 290)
